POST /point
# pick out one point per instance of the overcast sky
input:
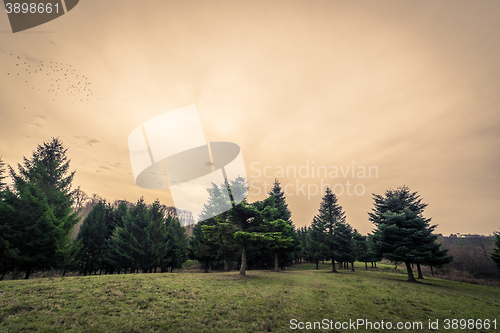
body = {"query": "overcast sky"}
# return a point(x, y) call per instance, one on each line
point(409, 88)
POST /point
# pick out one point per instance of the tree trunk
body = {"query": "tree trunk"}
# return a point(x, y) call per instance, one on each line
point(432, 271)
point(420, 276)
point(243, 261)
point(3, 274)
point(276, 262)
point(352, 266)
point(333, 265)
point(411, 278)
point(366, 266)
point(64, 272)
point(28, 272)
point(317, 264)
point(210, 266)
point(375, 264)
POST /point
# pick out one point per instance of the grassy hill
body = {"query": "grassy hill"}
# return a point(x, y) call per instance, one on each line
point(226, 302)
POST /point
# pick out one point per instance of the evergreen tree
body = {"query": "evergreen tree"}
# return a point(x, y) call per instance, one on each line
point(248, 224)
point(285, 241)
point(302, 232)
point(403, 234)
point(282, 238)
point(179, 250)
point(158, 236)
point(218, 230)
point(94, 237)
point(44, 208)
point(344, 238)
point(202, 247)
point(135, 230)
point(361, 248)
point(279, 202)
point(373, 249)
point(8, 254)
point(243, 220)
point(116, 257)
point(496, 253)
point(316, 245)
point(326, 226)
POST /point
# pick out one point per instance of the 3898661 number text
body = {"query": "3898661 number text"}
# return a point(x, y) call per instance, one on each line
point(31, 8)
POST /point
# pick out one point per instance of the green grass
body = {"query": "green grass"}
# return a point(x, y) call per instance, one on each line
point(226, 302)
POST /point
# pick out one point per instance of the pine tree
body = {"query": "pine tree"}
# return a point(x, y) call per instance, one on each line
point(178, 252)
point(325, 228)
point(93, 238)
point(285, 240)
point(343, 235)
point(7, 228)
point(316, 245)
point(302, 232)
point(403, 234)
point(217, 229)
point(248, 223)
point(202, 247)
point(496, 253)
point(282, 238)
point(373, 249)
point(279, 202)
point(158, 237)
point(45, 208)
point(115, 258)
point(135, 226)
point(361, 249)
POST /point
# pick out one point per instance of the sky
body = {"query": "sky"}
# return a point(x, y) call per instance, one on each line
point(405, 89)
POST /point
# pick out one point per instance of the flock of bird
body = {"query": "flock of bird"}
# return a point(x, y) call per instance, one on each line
point(64, 79)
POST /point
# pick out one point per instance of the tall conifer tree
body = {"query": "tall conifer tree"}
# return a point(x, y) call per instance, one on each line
point(45, 208)
point(325, 227)
point(403, 234)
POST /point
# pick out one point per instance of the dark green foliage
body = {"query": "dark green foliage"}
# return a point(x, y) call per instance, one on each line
point(132, 242)
point(330, 236)
point(316, 247)
point(7, 228)
point(43, 209)
point(249, 230)
point(94, 238)
point(175, 253)
point(496, 253)
point(361, 248)
point(344, 238)
point(262, 230)
point(284, 241)
point(403, 234)
point(202, 246)
point(277, 196)
point(146, 238)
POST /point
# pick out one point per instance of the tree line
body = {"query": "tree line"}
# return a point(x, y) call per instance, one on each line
point(40, 209)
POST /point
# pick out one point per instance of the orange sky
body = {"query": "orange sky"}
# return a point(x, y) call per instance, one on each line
point(410, 88)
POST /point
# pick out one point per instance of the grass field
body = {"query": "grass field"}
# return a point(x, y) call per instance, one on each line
point(225, 302)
